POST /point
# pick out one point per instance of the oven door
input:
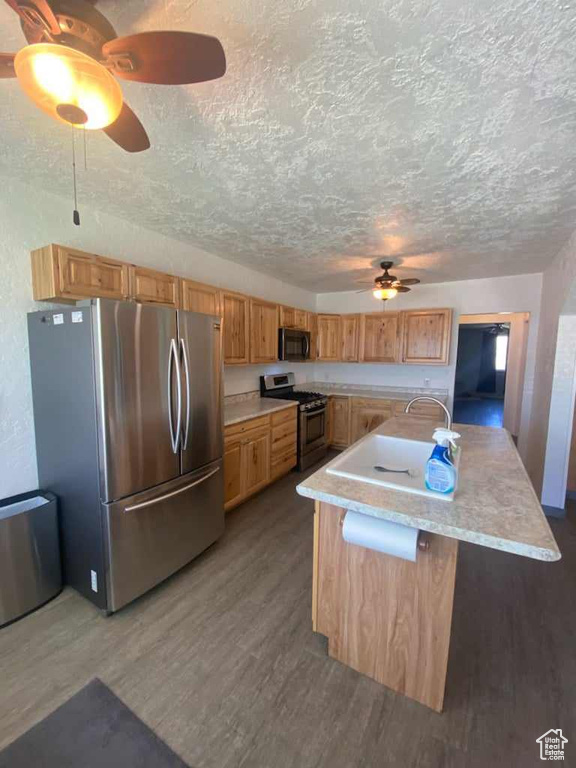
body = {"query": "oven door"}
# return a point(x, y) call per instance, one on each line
point(293, 345)
point(312, 430)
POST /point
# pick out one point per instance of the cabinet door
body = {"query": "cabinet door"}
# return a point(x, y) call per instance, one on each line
point(380, 337)
point(349, 326)
point(300, 319)
point(312, 327)
point(427, 336)
point(287, 317)
point(197, 297)
point(84, 275)
point(150, 287)
point(232, 473)
point(367, 415)
point(256, 460)
point(236, 322)
point(329, 337)
point(340, 421)
point(263, 331)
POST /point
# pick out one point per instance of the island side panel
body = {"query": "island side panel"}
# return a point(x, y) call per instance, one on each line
point(388, 618)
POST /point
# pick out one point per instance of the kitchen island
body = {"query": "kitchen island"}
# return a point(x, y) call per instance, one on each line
point(390, 618)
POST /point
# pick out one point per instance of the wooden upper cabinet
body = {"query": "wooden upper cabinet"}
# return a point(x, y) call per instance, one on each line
point(148, 286)
point(312, 327)
point(263, 331)
point(427, 334)
point(349, 329)
point(197, 297)
point(290, 317)
point(236, 321)
point(66, 274)
point(380, 337)
point(329, 337)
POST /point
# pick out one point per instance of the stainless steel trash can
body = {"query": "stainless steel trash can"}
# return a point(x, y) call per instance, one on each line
point(30, 568)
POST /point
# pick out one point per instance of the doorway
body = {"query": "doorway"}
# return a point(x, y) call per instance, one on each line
point(489, 382)
point(481, 374)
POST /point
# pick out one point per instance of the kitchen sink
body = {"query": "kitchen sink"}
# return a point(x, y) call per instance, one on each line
point(391, 462)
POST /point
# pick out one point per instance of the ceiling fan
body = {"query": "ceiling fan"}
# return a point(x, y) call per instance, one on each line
point(386, 286)
point(74, 56)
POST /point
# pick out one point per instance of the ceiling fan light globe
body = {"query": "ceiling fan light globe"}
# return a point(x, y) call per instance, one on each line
point(384, 293)
point(58, 79)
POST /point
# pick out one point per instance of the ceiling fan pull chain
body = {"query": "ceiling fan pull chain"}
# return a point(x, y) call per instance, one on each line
point(85, 133)
point(75, 215)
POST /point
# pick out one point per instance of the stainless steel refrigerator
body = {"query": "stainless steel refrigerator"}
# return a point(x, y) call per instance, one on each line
point(128, 418)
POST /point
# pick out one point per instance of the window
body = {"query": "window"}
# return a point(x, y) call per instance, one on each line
point(501, 352)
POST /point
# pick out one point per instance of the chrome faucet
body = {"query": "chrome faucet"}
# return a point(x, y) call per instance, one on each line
point(448, 417)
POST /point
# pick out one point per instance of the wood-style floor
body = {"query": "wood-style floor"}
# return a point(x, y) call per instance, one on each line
point(221, 661)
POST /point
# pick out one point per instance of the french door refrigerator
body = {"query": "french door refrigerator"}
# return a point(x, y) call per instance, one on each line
point(128, 418)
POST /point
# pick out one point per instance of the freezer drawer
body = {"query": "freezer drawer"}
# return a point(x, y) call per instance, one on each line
point(151, 535)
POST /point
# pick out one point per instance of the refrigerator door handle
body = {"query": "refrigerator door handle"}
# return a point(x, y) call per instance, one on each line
point(159, 499)
point(173, 361)
point(187, 372)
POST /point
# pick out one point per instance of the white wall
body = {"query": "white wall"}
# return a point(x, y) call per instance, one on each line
point(548, 426)
point(499, 294)
point(29, 219)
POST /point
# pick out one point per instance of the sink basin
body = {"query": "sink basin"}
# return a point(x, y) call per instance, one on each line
point(394, 453)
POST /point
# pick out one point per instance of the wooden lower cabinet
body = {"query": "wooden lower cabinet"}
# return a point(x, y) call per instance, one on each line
point(367, 414)
point(340, 421)
point(387, 618)
point(350, 418)
point(257, 452)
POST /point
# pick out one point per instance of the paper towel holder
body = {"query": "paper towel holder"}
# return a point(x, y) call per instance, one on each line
point(423, 542)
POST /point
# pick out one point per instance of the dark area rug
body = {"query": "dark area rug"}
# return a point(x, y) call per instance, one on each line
point(93, 729)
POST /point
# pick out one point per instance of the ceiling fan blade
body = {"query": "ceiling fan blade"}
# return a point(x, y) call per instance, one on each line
point(7, 65)
point(365, 290)
point(128, 132)
point(402, 288)
point(166, 58)
point(409, 281)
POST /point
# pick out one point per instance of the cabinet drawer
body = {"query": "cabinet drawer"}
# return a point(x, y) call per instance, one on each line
point(283, 463)
point(288, 428)
point(282, 444)
point(428, 410)
point(244, 426)
point(288, 414)
point(375, 403)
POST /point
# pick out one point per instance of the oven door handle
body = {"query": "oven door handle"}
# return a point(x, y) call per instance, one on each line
point(316, 412)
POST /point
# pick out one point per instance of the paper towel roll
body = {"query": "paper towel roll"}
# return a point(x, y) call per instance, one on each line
point(381, 535)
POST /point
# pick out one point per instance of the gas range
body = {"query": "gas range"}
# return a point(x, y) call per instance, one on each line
point(308, 400)
point(312, 442)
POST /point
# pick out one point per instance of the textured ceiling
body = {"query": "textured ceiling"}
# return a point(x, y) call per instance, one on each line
point(439, 133)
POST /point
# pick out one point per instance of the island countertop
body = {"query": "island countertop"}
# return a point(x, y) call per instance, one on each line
point(495, 505)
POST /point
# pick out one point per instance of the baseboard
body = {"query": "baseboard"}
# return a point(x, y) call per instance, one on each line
point(553, 511)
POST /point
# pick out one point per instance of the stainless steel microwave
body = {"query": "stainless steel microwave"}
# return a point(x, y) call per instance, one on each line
point(293, 344)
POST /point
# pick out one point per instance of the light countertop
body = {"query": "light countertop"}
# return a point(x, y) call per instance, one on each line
point(495, 505)
point(251, 409)
point(384, 393)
